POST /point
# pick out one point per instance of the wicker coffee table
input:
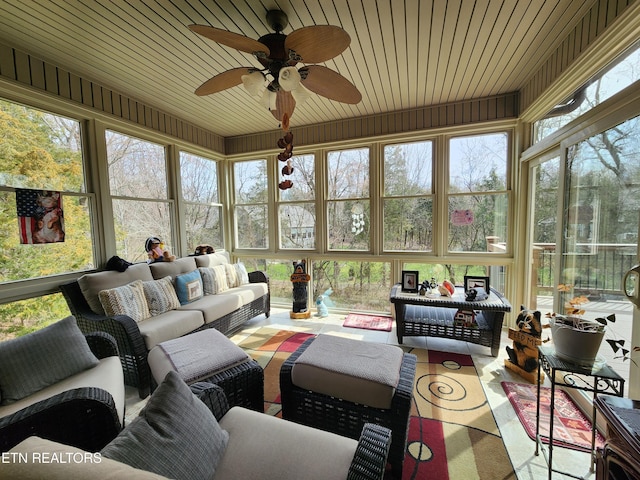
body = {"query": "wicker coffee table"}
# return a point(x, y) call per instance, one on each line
point(434, 316)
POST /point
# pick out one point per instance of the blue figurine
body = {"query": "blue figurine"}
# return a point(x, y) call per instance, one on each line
point(321, 303)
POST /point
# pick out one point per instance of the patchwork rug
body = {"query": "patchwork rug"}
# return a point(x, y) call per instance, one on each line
point(368, 322)
point(452, 432)
point(571, 428)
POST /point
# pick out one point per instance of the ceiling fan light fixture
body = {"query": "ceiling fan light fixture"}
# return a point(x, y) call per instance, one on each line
point(254, 83)
point(289, 78)
point(300, 94)
point(268, 99)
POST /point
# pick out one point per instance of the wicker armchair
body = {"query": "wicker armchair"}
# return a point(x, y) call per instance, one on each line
point(86, 417)
point(370, 458)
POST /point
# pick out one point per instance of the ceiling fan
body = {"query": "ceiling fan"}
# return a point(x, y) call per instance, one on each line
point(280, 83)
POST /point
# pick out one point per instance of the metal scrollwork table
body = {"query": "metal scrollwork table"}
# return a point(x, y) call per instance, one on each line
point(597, 379)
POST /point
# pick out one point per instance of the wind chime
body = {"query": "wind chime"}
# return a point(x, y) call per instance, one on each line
point(286, 142)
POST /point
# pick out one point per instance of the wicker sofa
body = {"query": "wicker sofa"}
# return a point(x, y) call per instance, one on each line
point(176, 436)
point(63, 400)
point(225, 310)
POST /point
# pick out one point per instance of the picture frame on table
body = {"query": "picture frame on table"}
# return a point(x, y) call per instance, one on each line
point(471, 281)
point(410, 281)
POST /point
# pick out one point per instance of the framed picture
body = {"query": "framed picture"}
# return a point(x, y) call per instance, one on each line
point(410, 281)
point(473, 282)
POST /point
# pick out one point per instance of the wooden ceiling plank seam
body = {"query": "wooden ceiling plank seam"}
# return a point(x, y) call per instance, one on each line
point(423, 53)
point(447, 46)
point(412, 17)
point(509, 56)
point(503, 24)
point(391, 32)
point(401, 60)
point(460, 42)
point(435, 41)
point(470, 54)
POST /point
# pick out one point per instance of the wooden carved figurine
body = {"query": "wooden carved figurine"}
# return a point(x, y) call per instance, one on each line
point(523, 356)
point(300, 280)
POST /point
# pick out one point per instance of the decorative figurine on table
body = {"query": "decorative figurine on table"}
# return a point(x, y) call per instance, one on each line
point(424, 287)
point(321, 303)
point(156, 251)
point(300, 280)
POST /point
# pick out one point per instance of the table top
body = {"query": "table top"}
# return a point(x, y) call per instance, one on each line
point(495, 302)
point(599, 369)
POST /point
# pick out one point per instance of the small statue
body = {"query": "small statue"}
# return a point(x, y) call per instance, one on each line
point(321, 303)
point(424, 286)
point(300, 279)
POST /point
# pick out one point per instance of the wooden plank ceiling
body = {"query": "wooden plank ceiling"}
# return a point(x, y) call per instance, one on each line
point(404, 54)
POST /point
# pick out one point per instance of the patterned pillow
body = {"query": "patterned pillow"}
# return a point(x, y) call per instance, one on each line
point(127, 300)
point(30, 363)
point(243, 276)
point(220, 275)
point(208, 280)
point(175, 435)
point(189, 287)
point(232, 275)
point(161, 296)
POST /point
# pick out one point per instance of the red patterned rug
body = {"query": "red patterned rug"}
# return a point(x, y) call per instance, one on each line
point(368, 322)
point(571, 428)
point(452, 431)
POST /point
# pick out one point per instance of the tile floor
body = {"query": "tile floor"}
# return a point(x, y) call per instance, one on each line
point(491, 370)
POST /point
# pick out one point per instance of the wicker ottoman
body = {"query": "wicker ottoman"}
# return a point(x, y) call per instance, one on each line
point(338, 385)
point(210, 356)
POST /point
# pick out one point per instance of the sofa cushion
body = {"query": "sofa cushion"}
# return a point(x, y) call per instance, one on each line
point(172, 269)
point(161, 296)
point(30, 363)
point(107, 375)
point(93, 283)
point(213, 307)
point(214, 279)
point(212, 259)
point(126, 300)
point(189, 287)
point(168, 325)
point(175, 435)
point(82, 465)
point(249, 292)
point(287, 449)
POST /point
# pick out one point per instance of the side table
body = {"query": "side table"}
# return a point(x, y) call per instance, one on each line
point(597, 379)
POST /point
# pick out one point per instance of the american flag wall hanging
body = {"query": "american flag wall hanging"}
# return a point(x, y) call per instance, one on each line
point(40, 216)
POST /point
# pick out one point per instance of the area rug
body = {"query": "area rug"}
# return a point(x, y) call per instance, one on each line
point(368, 322)
point(571, 428)
point(452, 431)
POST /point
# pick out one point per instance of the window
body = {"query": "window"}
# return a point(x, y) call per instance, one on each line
point(297, 212)
point(42, 151)
point(202, 207)
point(138, 187)
point(251, 209)
point(478, 199)
point(408, 198)
point(604, 85)
point(348, 205)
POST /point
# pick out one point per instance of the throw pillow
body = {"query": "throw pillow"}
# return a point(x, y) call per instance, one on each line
point(161, 296)
point(208, 280)
point(175, 435)
point(30, 363)
point(220, 275)
point(189, 287)
point(127, 300)
point(232, 275)
point(243, 275)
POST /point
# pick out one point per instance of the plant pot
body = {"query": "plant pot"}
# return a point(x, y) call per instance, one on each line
point(576, 340)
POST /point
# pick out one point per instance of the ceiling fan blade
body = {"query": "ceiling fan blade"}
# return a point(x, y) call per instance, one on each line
point(285, 103)
point(230, 39)
point(222, 81)
point(330, 84)
point(318, 43)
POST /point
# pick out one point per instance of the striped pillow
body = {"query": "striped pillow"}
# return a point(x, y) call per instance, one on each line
point(232, 275)
point(220, 277)
point(161, 296)
point(126, 300)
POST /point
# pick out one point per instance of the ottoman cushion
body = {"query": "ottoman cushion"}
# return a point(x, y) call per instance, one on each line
point(196, 356)
point(360, 372)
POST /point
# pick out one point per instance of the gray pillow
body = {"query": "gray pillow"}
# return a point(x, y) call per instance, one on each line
point(176, 435)
point(30, 363)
